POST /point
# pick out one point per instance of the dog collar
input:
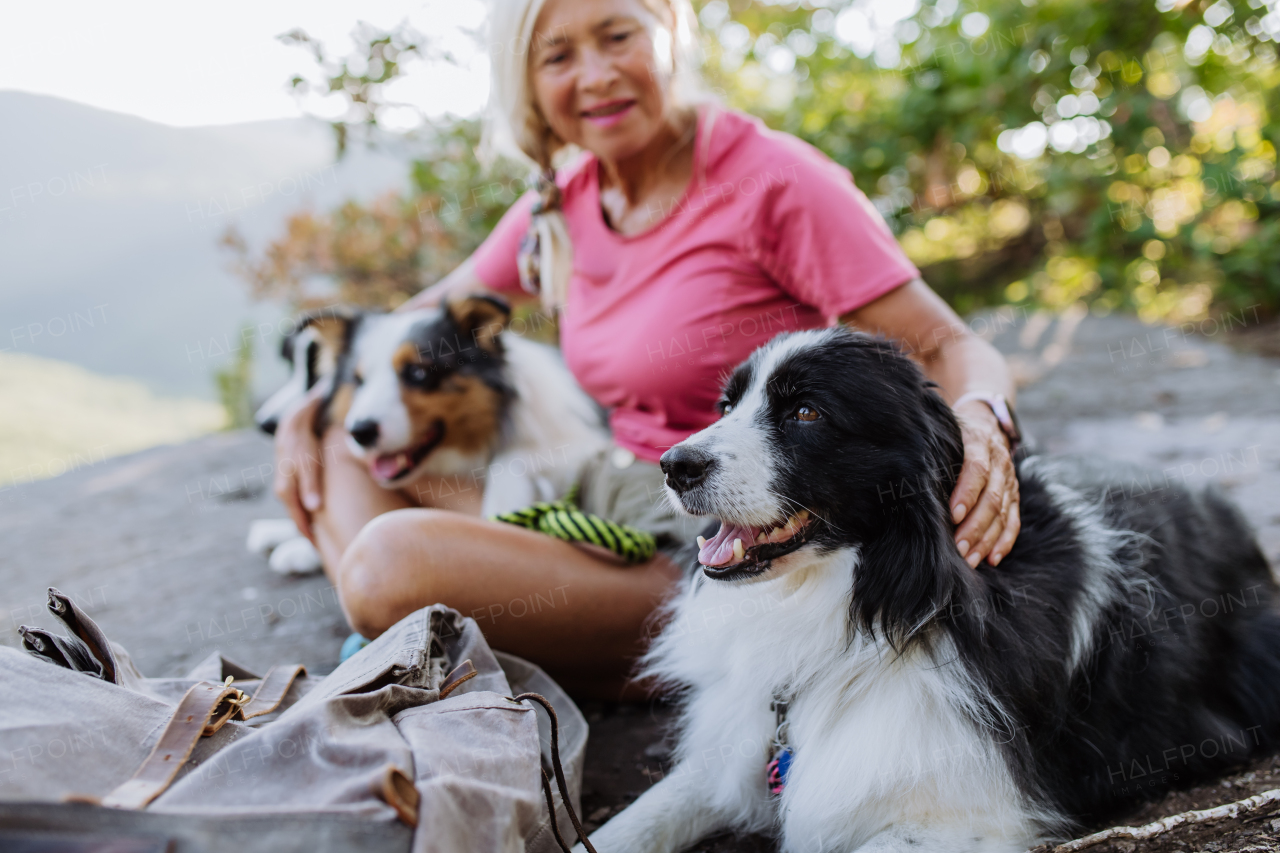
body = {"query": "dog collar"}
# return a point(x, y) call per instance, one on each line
point(999, 406)
point(781, 753)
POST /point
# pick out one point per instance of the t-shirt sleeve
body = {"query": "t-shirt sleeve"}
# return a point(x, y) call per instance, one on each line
point(495, 258)
point(823, 241)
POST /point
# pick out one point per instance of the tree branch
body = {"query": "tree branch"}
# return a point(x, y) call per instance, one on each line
point(1151, 830)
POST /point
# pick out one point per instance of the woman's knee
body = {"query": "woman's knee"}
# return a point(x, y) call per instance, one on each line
point(388, 571)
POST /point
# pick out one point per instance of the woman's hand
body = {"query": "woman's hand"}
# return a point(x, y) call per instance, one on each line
point(985, 501)
point(299, 467)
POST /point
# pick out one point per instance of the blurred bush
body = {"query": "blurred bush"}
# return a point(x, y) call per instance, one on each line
point(379, 254)
point(1120, 154)
point(234, 382)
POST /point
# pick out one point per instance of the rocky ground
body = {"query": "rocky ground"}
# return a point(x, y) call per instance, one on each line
point(152, 544)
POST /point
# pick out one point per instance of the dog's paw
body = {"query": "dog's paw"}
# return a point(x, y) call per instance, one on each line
point(295, 556)
point(267, 534)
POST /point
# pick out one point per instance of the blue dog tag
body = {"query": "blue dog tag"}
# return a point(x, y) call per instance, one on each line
point(778, 769)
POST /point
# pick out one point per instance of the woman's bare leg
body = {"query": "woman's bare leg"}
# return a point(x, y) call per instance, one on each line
point(351, 500)
point(533, 595)
point(579, 617)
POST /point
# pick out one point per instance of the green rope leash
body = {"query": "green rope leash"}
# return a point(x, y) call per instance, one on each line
point(563, 520)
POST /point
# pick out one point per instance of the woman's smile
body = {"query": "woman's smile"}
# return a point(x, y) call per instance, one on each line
point(609, 113)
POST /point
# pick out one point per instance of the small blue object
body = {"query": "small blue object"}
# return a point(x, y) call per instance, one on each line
point(350, 646)
point(778, 769)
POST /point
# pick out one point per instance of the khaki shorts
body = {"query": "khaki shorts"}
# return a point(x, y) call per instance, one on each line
point(618, 486)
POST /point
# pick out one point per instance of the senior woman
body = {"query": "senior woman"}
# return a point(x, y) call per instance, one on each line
point(681, 237)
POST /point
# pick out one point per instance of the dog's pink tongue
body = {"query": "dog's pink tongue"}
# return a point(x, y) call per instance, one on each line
point(718, 551)
point(387, 467)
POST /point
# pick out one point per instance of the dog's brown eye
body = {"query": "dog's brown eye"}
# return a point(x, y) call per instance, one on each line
point(416, 373)
point(726, 408)
point(806, 413)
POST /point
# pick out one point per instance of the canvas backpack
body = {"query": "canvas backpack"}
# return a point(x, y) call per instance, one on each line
point(417, 743)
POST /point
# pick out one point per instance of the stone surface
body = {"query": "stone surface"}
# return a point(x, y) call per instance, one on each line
point(153, 544)
point(1187, 406)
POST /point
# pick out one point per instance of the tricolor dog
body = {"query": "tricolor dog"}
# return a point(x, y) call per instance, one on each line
point(446, 392)
point(851, 684)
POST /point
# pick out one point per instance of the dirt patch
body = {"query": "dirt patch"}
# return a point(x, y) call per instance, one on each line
point(1252, 832)
point(1261, 339)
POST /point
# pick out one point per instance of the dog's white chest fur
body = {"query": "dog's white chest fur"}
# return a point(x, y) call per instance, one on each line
point(881, 742)
point(554, 430)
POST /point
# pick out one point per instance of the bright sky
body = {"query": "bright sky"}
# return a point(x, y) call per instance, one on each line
point(188, 64)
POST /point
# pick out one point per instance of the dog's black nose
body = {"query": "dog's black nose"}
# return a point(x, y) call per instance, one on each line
point(686, 467)
point(365, 433)
point(268, 426)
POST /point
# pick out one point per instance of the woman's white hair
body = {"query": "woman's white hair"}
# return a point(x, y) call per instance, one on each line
point(515, 127)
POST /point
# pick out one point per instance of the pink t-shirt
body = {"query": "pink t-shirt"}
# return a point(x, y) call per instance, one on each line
point(770, 236)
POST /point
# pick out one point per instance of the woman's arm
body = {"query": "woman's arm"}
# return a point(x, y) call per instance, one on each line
point(462, 280)
point(985, 501)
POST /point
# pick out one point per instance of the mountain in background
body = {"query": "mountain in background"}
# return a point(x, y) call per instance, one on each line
point(109, 227)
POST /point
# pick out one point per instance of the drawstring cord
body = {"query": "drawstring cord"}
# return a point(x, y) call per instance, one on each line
point(560, 782)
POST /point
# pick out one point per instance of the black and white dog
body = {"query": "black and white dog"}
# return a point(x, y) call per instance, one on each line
point(446, 392)
point(1124, 646)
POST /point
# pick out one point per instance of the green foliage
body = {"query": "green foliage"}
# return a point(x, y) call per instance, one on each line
point(1157, 192)
point(360, 77)
point(378, 255)
point(1165, 203)
point(235, 384)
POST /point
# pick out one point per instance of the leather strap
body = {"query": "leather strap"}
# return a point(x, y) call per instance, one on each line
point(203, 710)
point(460, 674)
point(271, 692)
point(560, 782)
point(398, 791)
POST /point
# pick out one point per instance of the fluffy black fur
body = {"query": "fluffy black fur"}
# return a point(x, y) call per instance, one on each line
point(1182, 675)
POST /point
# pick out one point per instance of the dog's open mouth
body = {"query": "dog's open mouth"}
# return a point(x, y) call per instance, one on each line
point(741, 550)
point(390, 467)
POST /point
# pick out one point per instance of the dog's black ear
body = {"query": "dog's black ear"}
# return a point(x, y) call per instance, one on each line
point(910, 571)
point(334, 328)
point(332, 325)
point(480, 317)
point(908, 575)
point(943, 440)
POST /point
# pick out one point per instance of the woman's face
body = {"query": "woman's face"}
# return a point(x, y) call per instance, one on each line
point(596, 75)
